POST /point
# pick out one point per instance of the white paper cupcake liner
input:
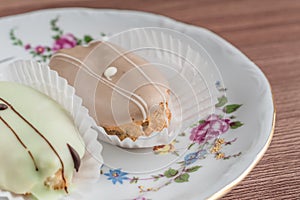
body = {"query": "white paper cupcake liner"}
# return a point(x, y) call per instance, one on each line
point(41, 78)
point(188, 68)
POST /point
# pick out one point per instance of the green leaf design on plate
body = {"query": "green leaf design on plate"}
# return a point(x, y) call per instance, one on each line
point(221, 101)
point(190, 146)
point(55, 37)
point(236, 124)
point(134, 180)
point(193, 169)
point(170, 173)
point(182, 134)
point(87, 38)
point(202, 121)
point(182, 178)
point(175, 153)
point(78, 41)
point(53, 21)
point(56, 28)
point(156, 177)
point(231, 108)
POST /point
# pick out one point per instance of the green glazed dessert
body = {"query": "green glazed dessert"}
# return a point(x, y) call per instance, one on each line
point(40, 147)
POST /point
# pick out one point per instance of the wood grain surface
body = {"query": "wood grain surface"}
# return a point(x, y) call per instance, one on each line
point(268, 32)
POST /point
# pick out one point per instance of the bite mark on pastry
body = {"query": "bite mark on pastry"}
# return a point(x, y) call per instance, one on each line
point(55, 181)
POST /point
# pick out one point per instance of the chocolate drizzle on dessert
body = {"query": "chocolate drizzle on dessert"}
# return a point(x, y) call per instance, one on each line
point(40, 134)
point(75, 157)
point(19, 139)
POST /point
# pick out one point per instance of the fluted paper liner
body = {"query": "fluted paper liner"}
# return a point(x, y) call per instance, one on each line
point(41, 78)
point(189, 70)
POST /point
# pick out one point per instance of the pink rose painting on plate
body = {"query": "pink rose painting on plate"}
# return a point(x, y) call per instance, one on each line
point(64, 42)
point(61, 40)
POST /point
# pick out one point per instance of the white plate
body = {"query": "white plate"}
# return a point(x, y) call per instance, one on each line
point(193, 175)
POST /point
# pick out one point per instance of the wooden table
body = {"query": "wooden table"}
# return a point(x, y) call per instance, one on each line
point(268, 32)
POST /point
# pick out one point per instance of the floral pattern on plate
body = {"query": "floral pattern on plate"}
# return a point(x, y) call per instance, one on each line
point(204, 139)
point(61, 40)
